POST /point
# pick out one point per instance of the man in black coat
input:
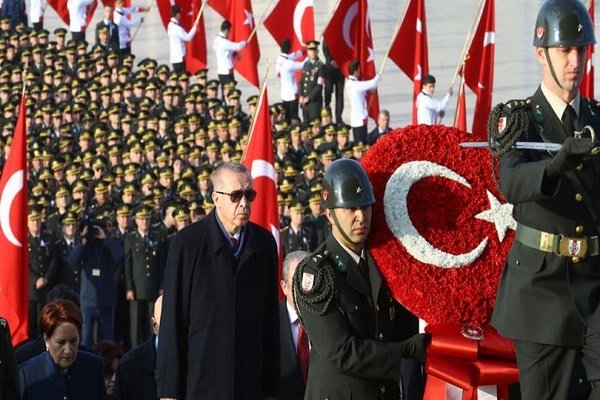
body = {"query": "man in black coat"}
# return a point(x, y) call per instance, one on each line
point(294, 358)
point(112, 28)
point(219, 335)
point(361, 337)
point(136, 371)
point(548, 301)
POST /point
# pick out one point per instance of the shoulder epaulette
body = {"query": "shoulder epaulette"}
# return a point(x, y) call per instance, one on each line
point(314, 283)
point(507, 122)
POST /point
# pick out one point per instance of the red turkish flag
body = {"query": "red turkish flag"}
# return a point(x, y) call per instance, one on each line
point(111, 3)
point(14, 272)
point(60, 6)
point(196, 48)
point(460, 121)
point(221, 6)
point(409, 50)
point(348, 36)
point(479, 69)
point(260, 160)
point(302, 29)
point(587, 85)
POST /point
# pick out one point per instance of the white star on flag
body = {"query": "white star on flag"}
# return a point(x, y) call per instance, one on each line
point(370, 58)
point(249, 19)
point(500, 215)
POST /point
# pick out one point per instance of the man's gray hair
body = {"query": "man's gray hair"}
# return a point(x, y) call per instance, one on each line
point(216, 176)
point(295, 256)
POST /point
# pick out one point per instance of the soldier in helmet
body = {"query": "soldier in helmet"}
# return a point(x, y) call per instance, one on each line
point(548, 299)
point(360, 336)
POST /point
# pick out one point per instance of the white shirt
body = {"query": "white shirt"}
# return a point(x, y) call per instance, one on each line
point(177, 38)
point(286, 66)
point(558, 105)
point(36, 10)
point(78, 14)
point(224, 49)
point(294, 323)
point(123, 23)
point(428, 108)
point(357, 93)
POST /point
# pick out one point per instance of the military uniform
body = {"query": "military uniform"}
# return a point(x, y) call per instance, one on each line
point(355, 337)
point(143, 277)
point(9, 376)
point(64, 272)
point(41, 265)
point(311, 85)
point(295, 240)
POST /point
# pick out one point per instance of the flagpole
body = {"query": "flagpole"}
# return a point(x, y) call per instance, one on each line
point(137, 28)
point(258, 105)
point(463, 54)
point(461, 88)
point(396, 30)
point(259, 21)
point(329, 20)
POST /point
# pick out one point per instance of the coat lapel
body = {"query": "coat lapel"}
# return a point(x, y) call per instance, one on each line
point(552, 127)
point(343, 261)
point(374, 276)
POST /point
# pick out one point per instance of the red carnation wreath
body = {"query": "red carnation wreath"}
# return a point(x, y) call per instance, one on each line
point(440, 230)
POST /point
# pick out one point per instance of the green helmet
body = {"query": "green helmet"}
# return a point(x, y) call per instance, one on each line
point(563, 23)
point(346, 185)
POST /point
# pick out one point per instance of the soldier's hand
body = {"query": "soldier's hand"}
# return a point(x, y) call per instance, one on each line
point(416, 347)
point(573, 152)
point(130, 295)
point(40, 283)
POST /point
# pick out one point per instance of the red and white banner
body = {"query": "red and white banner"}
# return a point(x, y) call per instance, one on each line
point(587, 85)
point(14, 269)
point(460, 120)
point(348, 36)
point(60, 6)
point(409, 50)
point(196, 57)
point(302, 28)
point(479, 69)
point(239, 13)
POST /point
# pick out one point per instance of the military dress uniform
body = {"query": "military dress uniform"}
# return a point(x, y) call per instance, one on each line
point(311, 85)
point(293, 240)
point(65, 274)
point(354, 325)
point(41, 265)
point(143, 277)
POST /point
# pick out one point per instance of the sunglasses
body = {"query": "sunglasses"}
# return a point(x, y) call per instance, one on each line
point(237, 195)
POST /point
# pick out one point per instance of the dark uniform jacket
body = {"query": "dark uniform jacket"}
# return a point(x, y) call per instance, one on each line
point(291, 385)
point(292, 241)
point(41, 380)
point(353, 353)
point(136, 373)
point(219, 332)
point(311, 86)
point(542, 297)
point(142, 265)
point(9, 377)
point(40, 265)
point(64, 272)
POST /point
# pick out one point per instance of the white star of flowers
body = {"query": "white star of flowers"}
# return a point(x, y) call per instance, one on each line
point(249, 19)
point(500, 215)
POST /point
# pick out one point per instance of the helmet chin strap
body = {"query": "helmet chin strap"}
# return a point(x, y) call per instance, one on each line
point(551, 67)
point(337, 223)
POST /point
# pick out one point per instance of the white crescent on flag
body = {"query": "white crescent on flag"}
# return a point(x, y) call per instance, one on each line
point(298, 15)
point(489, 38)
point(13, 186)
point(399, 222)
point(348, 18)
point(263, 168)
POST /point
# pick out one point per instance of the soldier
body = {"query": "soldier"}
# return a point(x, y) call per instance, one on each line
point(296, 236)
point(63, 201)
point(287, 65)
point(429, 110)
point(357, 93)
point(41, 267)
point(311, 83)
point(548, 301)
point(62, 247)
point(352, 319)
point(335, 81)
point(143, 275)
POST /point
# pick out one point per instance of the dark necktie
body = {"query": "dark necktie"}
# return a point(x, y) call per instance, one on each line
point(234, 242)
point(569, 120)
point(364, 268)
point(303, 352)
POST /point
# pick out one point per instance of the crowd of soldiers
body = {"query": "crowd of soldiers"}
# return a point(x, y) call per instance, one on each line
point(124, 150)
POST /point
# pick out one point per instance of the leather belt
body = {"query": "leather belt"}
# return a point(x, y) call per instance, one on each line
point(561, 245)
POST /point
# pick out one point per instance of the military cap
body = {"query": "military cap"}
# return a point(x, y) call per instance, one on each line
point(123, 211)
point(297, 206)
point(100, 187)
point(38, 188)
point(57, 165)
point(213, 84)
point(315, 198)
point(309, 163)
point(79, 186)
point(158, 193)
point(45, 175)
point(359, 146)
point(148, 178)
point(86, 175)
point(343, 130)
point(60, 32)
point(143, 212)
point(204, 174)
point(236, 157)
point(208, 204)
point(34, 212)
point(131, 169)
point(282, 137)
point(181, 213)
point(130, 188)
point(213, 145)
point(73, 169)
point(315, 122)
point(165, 172)
point(286, 185)
point(313, 45)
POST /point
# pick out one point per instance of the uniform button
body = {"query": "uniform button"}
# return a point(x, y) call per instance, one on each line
point(518, 262)
point(380, 336)
point(575, 260)
point(580, 167)
point(147, 275)
point(579, 229)
point(356, 308)
point(377, 307)
point(382, 389)
point(578, 197)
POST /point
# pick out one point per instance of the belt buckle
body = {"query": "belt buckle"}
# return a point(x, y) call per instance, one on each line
point(572, 247)
point(546, 242)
